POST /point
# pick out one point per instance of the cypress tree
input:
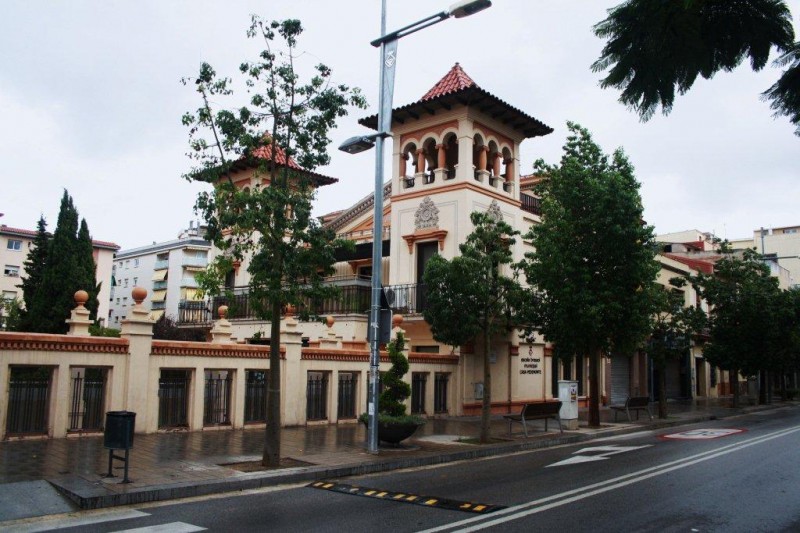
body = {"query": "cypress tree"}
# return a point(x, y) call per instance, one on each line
point(54, 300)
point(87, 269)
point(34, 269)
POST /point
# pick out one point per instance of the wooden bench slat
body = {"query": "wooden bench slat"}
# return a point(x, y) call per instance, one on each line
point(536, 411)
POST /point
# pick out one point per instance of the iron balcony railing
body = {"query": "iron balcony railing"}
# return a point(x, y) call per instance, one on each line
point(353, 298)
point(531, 204)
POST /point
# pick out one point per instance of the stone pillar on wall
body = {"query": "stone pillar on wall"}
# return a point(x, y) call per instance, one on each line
point(140, 396)
point(330, 340)
point(79, 317)
point(293, 398)
point(221, 332)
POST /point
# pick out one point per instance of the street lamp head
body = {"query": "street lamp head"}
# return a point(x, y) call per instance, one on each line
point(357, 144)
point(465, 8)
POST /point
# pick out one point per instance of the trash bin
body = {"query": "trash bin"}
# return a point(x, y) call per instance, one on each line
point(118, 433)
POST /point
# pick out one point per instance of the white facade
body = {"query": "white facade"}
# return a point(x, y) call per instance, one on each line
point(782, 244)
point(167, 270)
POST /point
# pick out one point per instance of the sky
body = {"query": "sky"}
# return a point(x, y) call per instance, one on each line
point(91, 102)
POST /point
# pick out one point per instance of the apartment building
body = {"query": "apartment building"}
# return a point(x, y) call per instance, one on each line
point(167, 270)
point(15, 243)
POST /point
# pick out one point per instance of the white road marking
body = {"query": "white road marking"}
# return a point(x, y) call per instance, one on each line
point(581, 457)
point(702, 434)
point(626, 436)
point(62, 523)
point(556, 500)
point(172, 527)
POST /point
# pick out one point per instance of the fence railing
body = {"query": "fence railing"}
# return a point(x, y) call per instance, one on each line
point(173, 399)
point(418, 382)
point(255, 396)
point(440, 392)
point(88, 400)
point(317, 396)
point(28, 400)
point(347, 395)
point(216, 403)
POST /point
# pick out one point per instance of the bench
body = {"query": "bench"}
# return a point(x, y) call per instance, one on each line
point(633, 403)
point(536, 411)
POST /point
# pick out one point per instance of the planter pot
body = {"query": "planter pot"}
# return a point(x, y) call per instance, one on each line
point(393, 432)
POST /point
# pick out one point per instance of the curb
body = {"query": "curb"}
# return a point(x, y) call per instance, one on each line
point(87, 495)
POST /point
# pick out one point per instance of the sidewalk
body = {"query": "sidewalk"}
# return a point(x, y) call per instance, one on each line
point(167, 466)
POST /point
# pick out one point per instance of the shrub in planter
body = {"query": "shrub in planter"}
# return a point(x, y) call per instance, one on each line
point(391, 409)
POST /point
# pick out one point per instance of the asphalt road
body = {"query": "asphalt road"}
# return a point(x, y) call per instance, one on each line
point(738, 474)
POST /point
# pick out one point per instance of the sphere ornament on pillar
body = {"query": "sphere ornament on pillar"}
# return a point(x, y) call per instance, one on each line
point(81, 297)
point(397, 320)
point(139, 294)
point(329, 321)
point(222, 312)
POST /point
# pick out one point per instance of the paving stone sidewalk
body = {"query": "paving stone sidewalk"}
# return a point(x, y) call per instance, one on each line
point(181, 464)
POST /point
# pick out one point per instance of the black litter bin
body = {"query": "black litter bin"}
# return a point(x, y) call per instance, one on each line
point(118, 434)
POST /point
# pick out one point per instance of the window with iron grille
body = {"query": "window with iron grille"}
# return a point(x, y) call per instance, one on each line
point(217, 399)
point(347, 394)
point(87, 405)
point(317, 396)
point(255, 395)
point(440, 381)
point(418, 383)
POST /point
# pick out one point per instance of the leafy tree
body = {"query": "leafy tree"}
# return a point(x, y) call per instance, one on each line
point(656, 49)
point(469, 296)
point(63, 275)
point(11, 315)
point(281, 135)
point(785, 333)
point(34, 265)
point(593, 266)
point(166, 328)
point(740, 294)
point(674, 324)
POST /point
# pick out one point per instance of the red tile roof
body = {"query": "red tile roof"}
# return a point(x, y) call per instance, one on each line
point(701, 265)
point(265, 152)
point(455, 80)
point(30, 233)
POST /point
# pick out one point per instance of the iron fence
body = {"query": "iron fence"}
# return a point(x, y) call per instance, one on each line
point(440, 381)
point(173, 398)
point(317, 396)
point(216, 402)
point(28, 400)
point(531, 204)
point(347, 395)
point(88, 400)
point(255, 396)
point(418, 382)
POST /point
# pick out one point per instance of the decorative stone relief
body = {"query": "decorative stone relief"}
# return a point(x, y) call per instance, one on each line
point(494, 211)
point(427, 215)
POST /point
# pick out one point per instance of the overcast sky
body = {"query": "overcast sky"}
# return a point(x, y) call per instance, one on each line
point(90, 101)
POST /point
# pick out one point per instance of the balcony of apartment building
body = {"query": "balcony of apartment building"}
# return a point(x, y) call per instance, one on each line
point(195, 261)
point(531, 204)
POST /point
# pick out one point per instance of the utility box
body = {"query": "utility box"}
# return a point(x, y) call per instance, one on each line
point(568, 394)
point(119, 428)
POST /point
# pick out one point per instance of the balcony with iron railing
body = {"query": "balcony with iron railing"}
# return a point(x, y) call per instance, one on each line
point(353, 298)
point(189, 282)
point(531, 204)
point(159, 285)
point(161, 264)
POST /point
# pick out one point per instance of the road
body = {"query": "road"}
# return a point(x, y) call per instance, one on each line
point(738, 474)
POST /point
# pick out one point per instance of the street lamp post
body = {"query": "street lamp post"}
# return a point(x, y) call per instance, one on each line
point(388, 45)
